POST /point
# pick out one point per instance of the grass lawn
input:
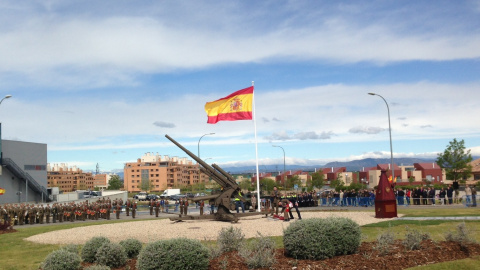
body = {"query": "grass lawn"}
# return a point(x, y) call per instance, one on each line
point(16, 253)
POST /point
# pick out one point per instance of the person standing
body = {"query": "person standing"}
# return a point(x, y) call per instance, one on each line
point(450, 194)
point(118, 209)
point(134, 209)
point(181, 206)
point(253, 202)
point(128, 204)
point(185, 206)
point(431, 195)
point(239, 202)
point(48, 212)
point(202, 204)
point(468, 195)
point(275, 197)
point(474, 196)
point(177, 203)
point(442, 195)
point(31, 214)
point(157, 208)
point(408, 194)
point(151, 205)
point(166, 205)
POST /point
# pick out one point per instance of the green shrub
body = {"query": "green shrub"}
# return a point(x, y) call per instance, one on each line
point(260, 253)
point(111, 254)
point(413, 239)
point(90, 248)
point(71, 248)
point(384, 241)
point(230, 239)
point(132, 247)
point(97, 267)
point(319, 239)
point(172, 254)
point(462, 236)
point(61, 260)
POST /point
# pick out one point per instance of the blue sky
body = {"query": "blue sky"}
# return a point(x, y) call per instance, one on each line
point(104, 81)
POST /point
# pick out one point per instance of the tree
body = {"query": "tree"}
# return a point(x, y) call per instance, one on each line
point(266, 185)
point(318, 180)
point(245, 184)
point(292, 181)
point(455, 161)
point(337, 184)
point(115, 183)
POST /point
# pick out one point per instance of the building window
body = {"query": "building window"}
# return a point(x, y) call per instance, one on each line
point(35, 167)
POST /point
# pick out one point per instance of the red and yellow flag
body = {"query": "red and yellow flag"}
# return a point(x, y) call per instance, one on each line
point(236, 106)
point(2, 191)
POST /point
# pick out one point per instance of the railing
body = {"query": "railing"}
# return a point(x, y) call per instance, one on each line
point(18, 172)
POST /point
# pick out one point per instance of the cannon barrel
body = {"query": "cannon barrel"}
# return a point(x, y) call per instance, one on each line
point(227, 175)
point(220, 181)
point(216, 175)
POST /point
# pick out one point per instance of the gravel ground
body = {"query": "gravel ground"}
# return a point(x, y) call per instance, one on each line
point(152, 230)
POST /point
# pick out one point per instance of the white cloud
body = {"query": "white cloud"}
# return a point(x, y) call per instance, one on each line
point(96, 49)
point(366, 130)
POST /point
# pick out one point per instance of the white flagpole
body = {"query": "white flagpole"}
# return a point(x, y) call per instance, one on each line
point(256, 150)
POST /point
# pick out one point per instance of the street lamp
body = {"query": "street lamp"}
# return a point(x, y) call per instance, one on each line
point(7, 96)
point(284, 180)
point(390, 131)
point(199, 172)
point(199, 142)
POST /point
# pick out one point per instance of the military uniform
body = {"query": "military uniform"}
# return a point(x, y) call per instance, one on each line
point(151, 205)
point(31, 214)
point(127, 208)
point(202, 204)
point(157, 208)
point(41, 214)
point(118, 209)
point(276, 199)
point(48, 212)
point(134, 209)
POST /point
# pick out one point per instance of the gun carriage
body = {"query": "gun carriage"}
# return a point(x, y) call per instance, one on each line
point(230, 190)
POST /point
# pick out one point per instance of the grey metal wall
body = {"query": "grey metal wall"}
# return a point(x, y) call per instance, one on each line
point(23, 153)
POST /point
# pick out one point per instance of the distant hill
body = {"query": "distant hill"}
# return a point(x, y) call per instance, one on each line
point(352, 166)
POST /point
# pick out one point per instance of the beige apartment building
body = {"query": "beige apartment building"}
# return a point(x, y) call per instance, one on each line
point(101, 180)
point(68, 179)
point(157, 173)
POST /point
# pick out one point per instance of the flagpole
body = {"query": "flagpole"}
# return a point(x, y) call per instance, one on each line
point(256, 150)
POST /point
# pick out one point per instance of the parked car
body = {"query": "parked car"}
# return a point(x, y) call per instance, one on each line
point(200, 194)
point(152, 197)
point(177, 197)
point(189, 195)
point(141, 196)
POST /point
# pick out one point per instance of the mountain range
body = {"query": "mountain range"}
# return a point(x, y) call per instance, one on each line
point(352, 166)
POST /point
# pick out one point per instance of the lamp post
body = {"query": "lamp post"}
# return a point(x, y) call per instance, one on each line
point(200, 140)
point(284, 180)
point(7, 96)
point(199, 172)
point(390, 131)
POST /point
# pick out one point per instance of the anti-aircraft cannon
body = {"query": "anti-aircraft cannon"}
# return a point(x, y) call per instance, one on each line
point(230, 190)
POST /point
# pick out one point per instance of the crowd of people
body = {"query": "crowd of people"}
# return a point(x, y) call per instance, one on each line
point(363, 197)
point(24, 213)
point(430, 196)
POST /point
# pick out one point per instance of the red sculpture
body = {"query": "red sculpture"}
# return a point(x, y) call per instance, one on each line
point(385, 202)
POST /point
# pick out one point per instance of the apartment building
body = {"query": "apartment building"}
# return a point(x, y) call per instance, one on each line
point(153, 172)
point(101, 180)
point(69, 179)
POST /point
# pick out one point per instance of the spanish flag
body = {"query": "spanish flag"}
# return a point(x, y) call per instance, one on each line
point(236, 106)
point(2, 191)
